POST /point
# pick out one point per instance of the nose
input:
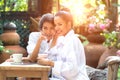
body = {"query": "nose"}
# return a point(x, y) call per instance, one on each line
point(48, 32)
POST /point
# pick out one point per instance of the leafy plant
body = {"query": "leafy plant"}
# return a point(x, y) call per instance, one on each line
point(2, 48)
point(102, 25)
point(83, 39)
point(13, 5)
point(112, 39)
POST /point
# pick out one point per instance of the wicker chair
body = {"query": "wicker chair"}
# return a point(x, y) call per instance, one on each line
point(34, 24)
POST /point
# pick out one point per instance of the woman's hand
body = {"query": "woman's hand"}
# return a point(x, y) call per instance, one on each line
point(26, 59)
point(45, 62)
point(42, 56)
point(42, 37)
point(9, 60)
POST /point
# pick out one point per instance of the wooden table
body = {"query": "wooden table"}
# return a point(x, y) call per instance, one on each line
point(8, 69)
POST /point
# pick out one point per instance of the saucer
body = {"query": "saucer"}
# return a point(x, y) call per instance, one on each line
point(21, 63)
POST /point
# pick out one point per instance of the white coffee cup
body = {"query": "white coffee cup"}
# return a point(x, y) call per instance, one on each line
point(17, 57)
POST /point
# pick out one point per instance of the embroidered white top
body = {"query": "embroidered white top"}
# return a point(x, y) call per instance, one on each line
point(69, 58)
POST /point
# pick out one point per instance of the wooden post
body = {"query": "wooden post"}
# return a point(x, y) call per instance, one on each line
point(113, 14)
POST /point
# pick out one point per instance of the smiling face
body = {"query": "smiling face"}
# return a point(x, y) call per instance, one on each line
point(62, 27)
point(63, 22)
point(46, 25)
point(48, 30)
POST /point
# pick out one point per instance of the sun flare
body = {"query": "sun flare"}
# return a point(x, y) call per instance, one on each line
point(78, 9)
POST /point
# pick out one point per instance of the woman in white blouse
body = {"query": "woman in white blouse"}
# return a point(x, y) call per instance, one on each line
point(67, 56)
point(40, 41)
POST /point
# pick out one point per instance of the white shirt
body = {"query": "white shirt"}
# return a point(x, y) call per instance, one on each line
point(33, 37)
point(69, 58)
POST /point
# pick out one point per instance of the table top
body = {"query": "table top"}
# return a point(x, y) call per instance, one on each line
point(23, 66)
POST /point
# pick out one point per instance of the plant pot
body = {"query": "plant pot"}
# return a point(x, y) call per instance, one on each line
point(96, 38)
point(10, 38)
point(106, 53)
point(93, 51)
point(9, 35)
point(14, 49)
point(17, 49)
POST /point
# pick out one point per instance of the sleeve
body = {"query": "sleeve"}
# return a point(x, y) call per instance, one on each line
point(33, 37)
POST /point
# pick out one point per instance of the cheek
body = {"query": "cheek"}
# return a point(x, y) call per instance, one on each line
point(53, 32)
point(63, 28)
point(44, 31)
point(56, 27)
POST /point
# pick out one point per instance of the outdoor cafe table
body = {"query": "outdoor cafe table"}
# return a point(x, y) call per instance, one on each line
point(7, 69)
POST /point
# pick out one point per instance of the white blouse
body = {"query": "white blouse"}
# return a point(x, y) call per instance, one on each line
point(69, 58)
point(33, 37)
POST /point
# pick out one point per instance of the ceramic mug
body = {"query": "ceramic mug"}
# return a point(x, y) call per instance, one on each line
point(17, 57)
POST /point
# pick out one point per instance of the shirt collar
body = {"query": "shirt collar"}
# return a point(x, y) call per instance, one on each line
point(62, 39)
point(71, 32)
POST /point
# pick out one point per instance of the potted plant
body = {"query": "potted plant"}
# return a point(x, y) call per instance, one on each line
point(97, 27)
point(112, 42)
point(97, 22)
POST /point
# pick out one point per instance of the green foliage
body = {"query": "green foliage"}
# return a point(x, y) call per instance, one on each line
point(13, 5)
point(83, 39)
point(112, 39)
point(2, 48)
